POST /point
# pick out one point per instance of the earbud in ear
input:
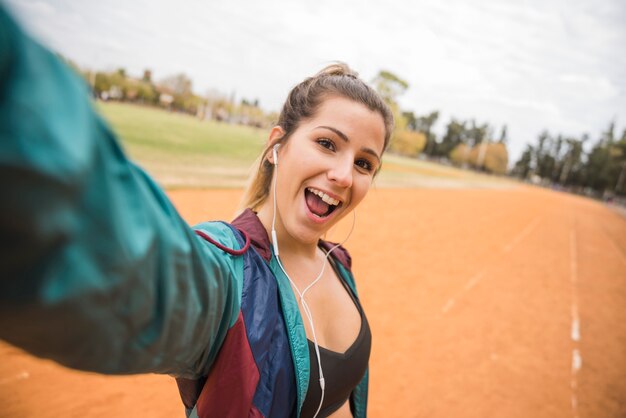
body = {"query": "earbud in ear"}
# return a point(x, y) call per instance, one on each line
point(275, 154)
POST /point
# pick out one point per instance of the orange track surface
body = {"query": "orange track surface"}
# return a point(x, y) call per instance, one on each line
point(472, 296)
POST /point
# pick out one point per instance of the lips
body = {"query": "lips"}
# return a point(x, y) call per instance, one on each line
point(319, 203)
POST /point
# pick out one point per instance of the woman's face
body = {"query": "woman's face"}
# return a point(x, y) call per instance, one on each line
point(326, 167)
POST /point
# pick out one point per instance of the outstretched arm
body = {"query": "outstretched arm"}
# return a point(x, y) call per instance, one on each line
point(97, 269)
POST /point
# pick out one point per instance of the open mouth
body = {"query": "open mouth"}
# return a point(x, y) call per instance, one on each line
point(319, 203)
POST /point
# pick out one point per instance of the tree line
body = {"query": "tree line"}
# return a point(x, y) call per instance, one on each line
point(175, 93)
point(554, 160)
point(562, 161)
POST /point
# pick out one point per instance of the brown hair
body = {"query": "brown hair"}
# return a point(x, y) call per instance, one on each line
point(302, 103)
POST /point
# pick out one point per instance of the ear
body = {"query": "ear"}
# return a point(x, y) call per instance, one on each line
point(276, 134)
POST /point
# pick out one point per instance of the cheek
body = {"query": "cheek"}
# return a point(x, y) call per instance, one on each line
point(290, 178)
point(360, 189)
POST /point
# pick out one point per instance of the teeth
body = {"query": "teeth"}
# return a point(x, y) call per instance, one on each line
point(324, 196)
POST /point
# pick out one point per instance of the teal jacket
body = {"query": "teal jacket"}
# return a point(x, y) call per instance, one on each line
point(97, 269)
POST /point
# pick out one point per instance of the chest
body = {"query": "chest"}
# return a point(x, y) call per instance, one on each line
point(336, 320)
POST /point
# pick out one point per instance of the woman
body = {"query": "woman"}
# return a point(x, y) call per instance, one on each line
point(100, 273)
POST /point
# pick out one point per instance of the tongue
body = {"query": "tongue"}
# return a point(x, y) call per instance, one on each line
point(315, 204)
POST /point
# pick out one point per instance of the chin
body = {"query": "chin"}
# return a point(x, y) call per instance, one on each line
point(307, 236)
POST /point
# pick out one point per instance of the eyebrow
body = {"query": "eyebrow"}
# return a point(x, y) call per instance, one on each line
point(346, 139)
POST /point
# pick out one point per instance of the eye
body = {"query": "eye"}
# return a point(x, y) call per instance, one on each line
point(326, 143)
point(364, 164)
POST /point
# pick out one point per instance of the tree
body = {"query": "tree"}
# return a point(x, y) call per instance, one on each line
point(620, 185)
point(455, 135)
point(477, 133)
point(118, 85)
point(524, 166)
point(179, 84)
point(411, 120)
point(409, 143)
point(102, 83)
point(147, 76)
point(601, 162)
point(424, 124)
point(146, 93)
point(544, 162)
point(503, 135)
point(180, 87)
point(496, 158)
point(572, 161)
point(459, 154)
point(389, 86)
point(557, 146)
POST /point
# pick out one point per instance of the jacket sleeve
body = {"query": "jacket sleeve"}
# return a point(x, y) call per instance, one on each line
point(97, 269)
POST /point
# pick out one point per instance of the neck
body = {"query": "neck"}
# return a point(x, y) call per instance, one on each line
point(289, 247)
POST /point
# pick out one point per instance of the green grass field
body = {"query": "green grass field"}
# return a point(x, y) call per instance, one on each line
point(179, 150)
point(182, 151)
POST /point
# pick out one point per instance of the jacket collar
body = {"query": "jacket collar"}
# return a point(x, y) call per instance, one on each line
point(249, 222)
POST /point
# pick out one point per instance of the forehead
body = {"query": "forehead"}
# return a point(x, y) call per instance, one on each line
point(354, 119)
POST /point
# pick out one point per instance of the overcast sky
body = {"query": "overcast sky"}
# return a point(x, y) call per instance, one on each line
point(532, 65)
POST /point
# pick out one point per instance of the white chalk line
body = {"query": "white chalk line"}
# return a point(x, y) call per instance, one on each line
point(20, 376)
point(475, 279)
point(577, 362)
point(449, 304)
point(575, 330)
point(521, 236)
point(577, 359)
point(468, 286)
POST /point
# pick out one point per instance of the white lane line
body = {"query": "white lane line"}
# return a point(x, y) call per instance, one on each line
point(20, 376)
point(575, 330)
point(521, 236)
point(474, 281)
point(468, 286)
point(577, 359)
point(449, 304)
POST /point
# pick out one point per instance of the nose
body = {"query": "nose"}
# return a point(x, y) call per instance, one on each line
point(341, 173)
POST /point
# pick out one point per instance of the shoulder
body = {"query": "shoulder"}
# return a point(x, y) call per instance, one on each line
point(218, 231)
point(222, 244)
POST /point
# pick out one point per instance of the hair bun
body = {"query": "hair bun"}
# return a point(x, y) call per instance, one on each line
point(337, 69)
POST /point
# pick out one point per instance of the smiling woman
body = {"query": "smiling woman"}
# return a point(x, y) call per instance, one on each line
point(327, 163)
point(327, 166)
point(107, 277)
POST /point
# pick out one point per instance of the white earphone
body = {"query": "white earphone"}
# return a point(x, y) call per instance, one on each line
point(305, 306)
point(275, 154)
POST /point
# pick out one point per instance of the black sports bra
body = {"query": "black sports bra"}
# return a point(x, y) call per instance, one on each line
point(342, 371)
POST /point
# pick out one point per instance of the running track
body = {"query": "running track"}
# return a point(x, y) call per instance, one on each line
point(483, 303)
